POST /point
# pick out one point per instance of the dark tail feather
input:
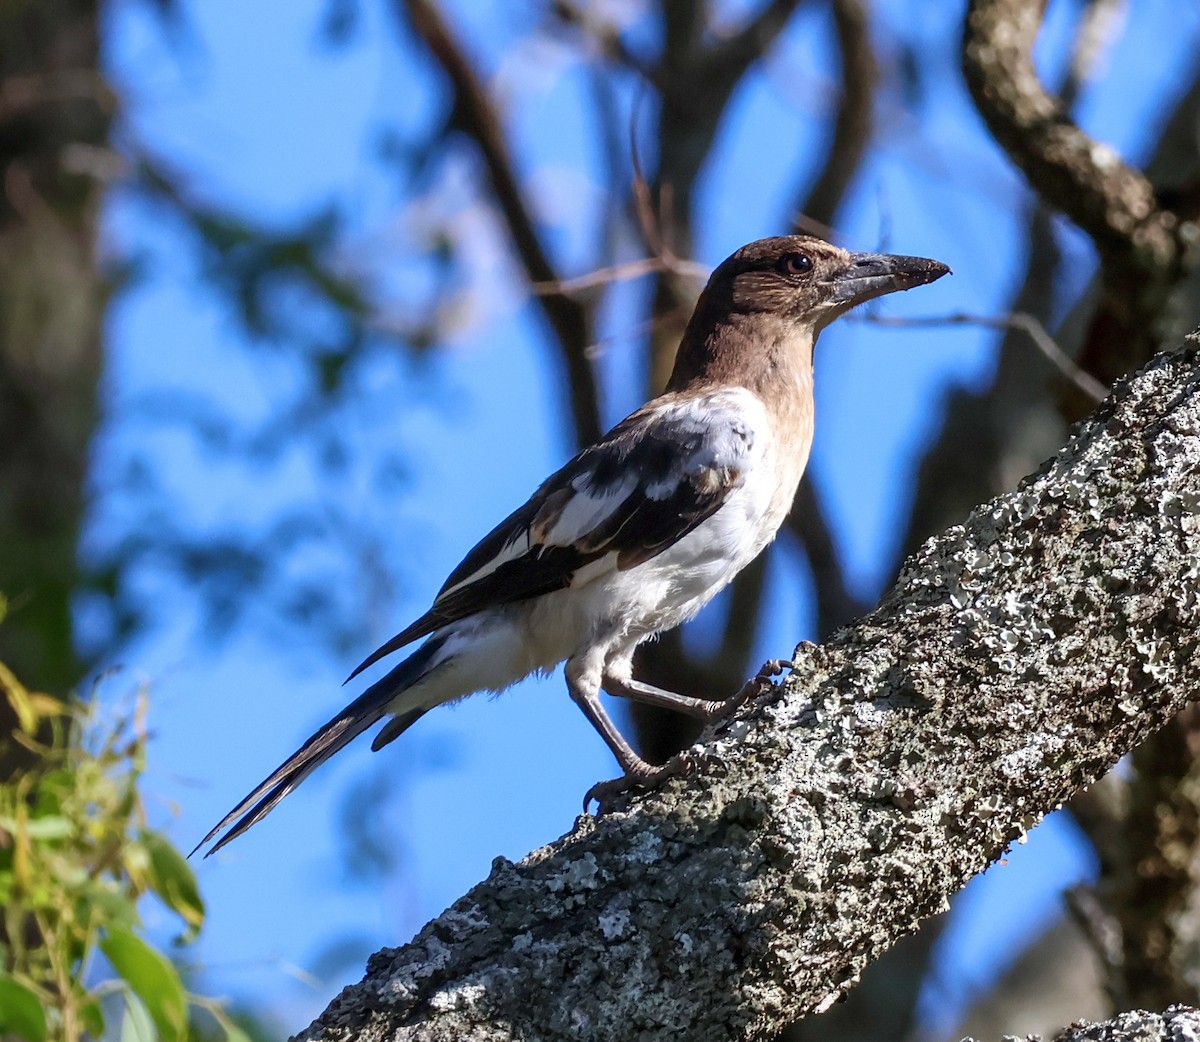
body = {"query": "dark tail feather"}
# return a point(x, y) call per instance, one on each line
point(360, 714)
point(425, 625)
point(395, 727)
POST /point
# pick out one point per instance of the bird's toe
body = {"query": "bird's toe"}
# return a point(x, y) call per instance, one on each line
point(640, 778)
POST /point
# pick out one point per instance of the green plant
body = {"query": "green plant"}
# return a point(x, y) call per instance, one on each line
point(76, 857)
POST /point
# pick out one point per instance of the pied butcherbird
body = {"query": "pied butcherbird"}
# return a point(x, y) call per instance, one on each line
point(640, 530)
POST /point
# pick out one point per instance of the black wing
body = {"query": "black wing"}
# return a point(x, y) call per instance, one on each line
point(650, 481)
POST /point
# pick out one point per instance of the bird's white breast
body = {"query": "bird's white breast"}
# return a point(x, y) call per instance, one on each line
point(621, 607)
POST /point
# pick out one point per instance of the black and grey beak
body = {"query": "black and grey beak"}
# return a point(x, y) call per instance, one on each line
point(871, 275)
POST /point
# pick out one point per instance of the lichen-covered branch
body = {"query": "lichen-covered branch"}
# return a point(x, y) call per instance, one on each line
point(1018, 657)
point(1176, 1024)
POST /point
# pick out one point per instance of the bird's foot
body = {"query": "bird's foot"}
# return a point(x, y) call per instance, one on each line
point(640, 778)
point(756, 685)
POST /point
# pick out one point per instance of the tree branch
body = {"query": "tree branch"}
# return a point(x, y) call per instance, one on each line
point(1110, 200)
point(853, 123)
point(1178, 1022)
point(1018, 657)
point(568, 318)
point(1142, 246)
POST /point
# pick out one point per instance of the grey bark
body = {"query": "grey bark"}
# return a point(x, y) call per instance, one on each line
point(1177, 1024)
point(1017, 658)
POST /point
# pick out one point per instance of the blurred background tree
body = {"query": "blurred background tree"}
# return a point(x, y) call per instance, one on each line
point(299, 300)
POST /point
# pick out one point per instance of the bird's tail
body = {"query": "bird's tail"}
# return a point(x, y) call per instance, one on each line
point(367, 709)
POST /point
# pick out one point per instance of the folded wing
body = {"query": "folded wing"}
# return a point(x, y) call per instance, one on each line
point(647, 484)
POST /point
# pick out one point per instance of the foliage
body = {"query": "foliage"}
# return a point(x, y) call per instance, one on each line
point(76, 856)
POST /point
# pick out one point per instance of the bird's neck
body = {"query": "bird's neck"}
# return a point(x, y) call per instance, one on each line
point(764, 353)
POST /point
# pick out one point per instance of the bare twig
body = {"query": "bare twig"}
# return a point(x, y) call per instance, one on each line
point(622, 272)
point(570, 320)
point(1019, 320)
point(643, 203)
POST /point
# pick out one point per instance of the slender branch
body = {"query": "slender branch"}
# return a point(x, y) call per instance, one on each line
point(1019, 656)
point(568, 318)
point(1018, 320)
point(1110, 200)
point(621, 272)
point(852, 126)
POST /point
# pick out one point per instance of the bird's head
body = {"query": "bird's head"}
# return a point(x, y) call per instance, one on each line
point(772, 297)
point(811, 281)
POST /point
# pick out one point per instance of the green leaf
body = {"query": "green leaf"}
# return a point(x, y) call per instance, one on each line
point(92, 1018)
point(152, 978)
point(50, 827)
point(21, 1011)
point(173, 880)
point(136, 1025)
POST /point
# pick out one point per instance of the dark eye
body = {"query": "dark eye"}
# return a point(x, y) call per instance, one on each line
point(795, 263)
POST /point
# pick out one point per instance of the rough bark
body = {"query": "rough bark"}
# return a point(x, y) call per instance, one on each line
point(54, 116)
point(1018, 657)
point(1177, 1024)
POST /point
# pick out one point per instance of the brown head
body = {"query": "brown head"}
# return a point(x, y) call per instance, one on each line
point(764, 306)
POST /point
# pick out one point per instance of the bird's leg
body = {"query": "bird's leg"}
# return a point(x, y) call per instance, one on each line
point(636, 691)
point(642, 775)
point(618, 682)
point(584, 686)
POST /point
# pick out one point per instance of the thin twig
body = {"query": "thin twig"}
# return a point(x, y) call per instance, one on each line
point(643, 203)
point(476, 116)
point(1019, 320)
point(622, 272)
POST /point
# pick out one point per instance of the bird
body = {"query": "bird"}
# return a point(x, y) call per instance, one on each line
point(636, 533)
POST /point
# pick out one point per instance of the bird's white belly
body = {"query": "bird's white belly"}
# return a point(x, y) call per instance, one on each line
point(624, 607)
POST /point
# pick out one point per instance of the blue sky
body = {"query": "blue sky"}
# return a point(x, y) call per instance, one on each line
point(264, 118)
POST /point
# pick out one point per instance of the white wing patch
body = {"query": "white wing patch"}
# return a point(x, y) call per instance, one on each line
point(513, 550)
point(696, 446)
point(586, 511)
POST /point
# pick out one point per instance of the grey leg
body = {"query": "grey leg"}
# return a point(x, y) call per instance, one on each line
point(635, 690)
point(616, 681)
point(585, 693)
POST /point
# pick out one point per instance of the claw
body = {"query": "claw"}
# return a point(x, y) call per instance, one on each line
point(756, 685)
point(642, 779)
